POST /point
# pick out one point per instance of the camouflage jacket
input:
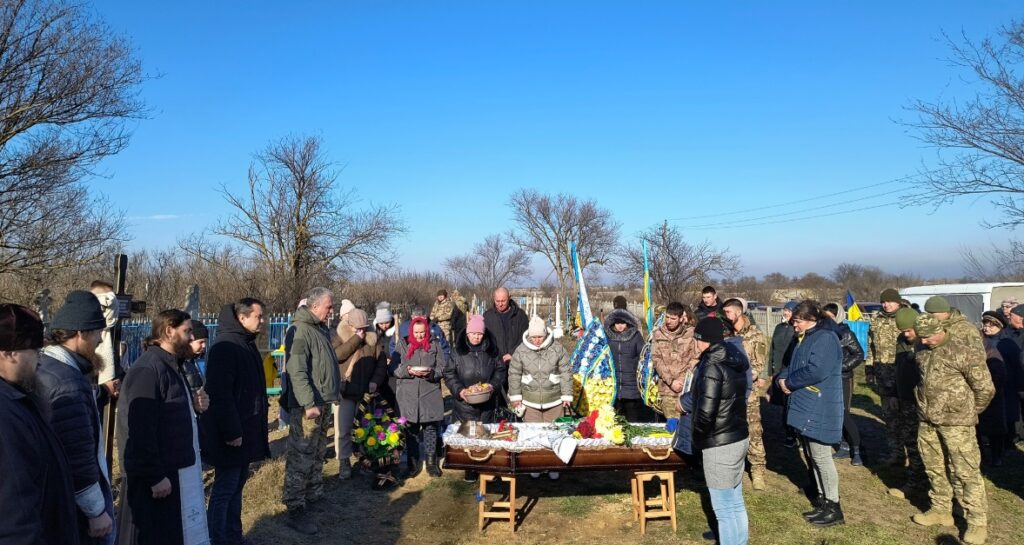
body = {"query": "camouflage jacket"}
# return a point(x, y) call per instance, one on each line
point(958, 326)
point(672, 354)
point(756, 345)
point(441, 312)
point(882, 334)
point(955, 383)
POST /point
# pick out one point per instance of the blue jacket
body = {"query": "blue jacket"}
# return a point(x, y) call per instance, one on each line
point(814, 376)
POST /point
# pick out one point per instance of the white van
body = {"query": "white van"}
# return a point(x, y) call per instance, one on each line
point(971, 299)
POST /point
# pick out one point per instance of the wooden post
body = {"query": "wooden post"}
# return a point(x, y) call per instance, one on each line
point(110, 418)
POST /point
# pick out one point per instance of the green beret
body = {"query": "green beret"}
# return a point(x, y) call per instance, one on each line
point(905, 318)
point(890, 296)
point(937, 303)
point(927, 325)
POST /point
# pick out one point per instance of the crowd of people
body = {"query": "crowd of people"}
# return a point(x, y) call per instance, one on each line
point(950, 399)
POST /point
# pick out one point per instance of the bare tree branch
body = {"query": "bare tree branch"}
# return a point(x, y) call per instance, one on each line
point(495, 262)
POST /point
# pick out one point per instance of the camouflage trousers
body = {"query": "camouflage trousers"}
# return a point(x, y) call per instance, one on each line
point(755, 453)
point(954, 448)
point(907, 426)
point(304, 457)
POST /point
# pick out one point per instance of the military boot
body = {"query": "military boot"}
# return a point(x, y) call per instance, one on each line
point(975, 535)
point(933, 517)
point(757, 478)
point(300, 521)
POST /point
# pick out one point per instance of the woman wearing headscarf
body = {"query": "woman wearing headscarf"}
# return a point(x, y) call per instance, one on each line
point(418, 370)
point(991, 428)
point(813, 382)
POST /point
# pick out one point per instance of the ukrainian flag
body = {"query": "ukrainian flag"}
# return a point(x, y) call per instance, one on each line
point(853, 312)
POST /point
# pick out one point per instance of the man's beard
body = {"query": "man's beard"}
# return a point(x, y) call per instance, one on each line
point(97, 363)
point(27, 384)
point(183, 350)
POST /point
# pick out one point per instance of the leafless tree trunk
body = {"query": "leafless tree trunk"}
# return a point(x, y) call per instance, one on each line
point(300, 225)
point(68, 86)
point(677, 267)
point(495, 262)
point(549, 224)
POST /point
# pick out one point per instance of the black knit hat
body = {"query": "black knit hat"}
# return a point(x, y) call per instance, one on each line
point(81, 312)
point(20, 328)
point(710, 330)
point(619, 302)
point(199, 331)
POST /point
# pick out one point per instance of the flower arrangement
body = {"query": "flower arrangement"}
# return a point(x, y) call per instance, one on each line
point(601, 424)
point(379, 435)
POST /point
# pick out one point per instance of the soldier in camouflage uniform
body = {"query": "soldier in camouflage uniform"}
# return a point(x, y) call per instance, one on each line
point(955, 388)
point(441, 314)
point(881, 364)
point(907, 379)
point(756, 345)
point(460, 302)
point(673, 353)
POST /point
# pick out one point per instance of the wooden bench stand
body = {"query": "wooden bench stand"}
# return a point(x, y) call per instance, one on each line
point(661, 506)
point(502, 510)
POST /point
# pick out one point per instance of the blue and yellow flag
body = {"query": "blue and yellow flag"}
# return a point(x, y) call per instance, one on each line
point(853, 312)
point(648, 311)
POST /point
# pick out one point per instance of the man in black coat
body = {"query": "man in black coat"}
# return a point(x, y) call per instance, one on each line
point(157, 436)
point(67, 368)
point(710, 305)
point(235, 427)
point(35, 490)
point(507, 323)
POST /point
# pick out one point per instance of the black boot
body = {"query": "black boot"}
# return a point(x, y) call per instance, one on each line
point(855, 459)
point(433, 469)
point(830, 516)
point(819, 505)
point(412, 468)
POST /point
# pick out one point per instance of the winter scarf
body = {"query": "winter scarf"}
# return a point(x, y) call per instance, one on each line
point(415, 345)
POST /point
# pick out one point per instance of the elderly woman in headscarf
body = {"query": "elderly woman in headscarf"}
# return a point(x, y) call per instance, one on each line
point(992, 426)
point(418, 368)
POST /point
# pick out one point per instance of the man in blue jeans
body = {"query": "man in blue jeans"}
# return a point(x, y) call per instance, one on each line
point(235, 426)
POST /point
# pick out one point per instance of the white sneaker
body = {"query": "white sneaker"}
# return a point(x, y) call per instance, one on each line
point(553, 475)
point(534, 475)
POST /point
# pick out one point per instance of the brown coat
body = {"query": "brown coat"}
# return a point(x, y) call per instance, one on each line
point(672, 353)
point(360, 361)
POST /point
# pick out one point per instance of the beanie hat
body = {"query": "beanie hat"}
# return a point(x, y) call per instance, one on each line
point(937, 303)
point(346, 307)
point(476, 324)
point(927, 325)
point(383, 304)
point(995, 317)
point(357, 319)
point(889, 295)
point(81, 312)
point(537, 327)
point(20, 328)
point(905, 318)
point(790, 305)
point(383, 315)
point(199, 331)
point(1011, 301)
point(1018, 310)
point(709, 330)
point(619, 302)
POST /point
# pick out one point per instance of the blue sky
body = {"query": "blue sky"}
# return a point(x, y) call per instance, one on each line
point(657, 110)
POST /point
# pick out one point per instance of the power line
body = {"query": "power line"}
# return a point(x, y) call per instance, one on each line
point(791, 220)
point(799, 201)
point(795, 212)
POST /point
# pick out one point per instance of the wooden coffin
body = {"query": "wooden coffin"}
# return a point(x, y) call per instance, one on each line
point(534, 461)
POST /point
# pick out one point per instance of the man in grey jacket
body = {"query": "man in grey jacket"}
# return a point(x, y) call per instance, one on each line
point(312, 384)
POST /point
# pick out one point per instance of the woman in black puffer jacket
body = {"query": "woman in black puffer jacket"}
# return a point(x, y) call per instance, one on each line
point(853, 355)
point(475, 360)
point(719, 393)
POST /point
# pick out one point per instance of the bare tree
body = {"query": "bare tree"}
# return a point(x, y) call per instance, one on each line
point(980, 140)
point(677, 267)
point(495, 262)
point(864, 282)
point(68, 88)
point(300, 225)
point(549, 224)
